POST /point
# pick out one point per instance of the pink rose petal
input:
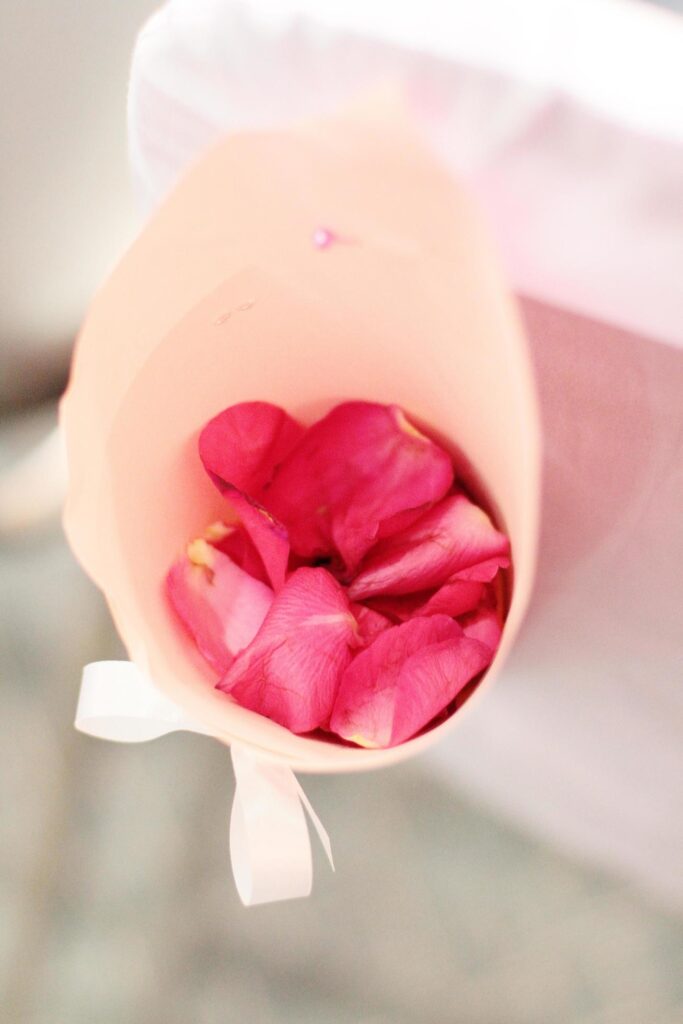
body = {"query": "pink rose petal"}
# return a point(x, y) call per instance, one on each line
point(484, 572)
point(242, 445)
point(268, 536)
point(220, 605)
point(401, 521)
point(453, 536)
point(452, 599)
point(235, 542)
point(291, 670)
point(370, 623)
point(240, 449)
point(462, 594)
point(486, 623)
point(407, 675)
point(359, 466)
point(433, 679)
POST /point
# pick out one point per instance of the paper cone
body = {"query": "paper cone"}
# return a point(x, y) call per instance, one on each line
point(225, 298)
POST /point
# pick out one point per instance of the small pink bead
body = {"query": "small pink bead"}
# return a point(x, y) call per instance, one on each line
point(323, 238)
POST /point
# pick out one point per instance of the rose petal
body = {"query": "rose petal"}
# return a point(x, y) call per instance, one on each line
point(459, 596)
point(465, 591)
point(484, 572)
point(401, 521)
point(268, 536)
point(240, 448)
point(451, 537)
point(220, 605)
point(435, 676)
point(486, 623)
point(370, 623)
point(242, 445)
point(291, 670)
point(452, 599)
point(235, 542)
point(407, 675)
point(359, 466)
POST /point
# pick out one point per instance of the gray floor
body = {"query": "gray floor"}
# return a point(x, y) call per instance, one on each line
point(117, 903)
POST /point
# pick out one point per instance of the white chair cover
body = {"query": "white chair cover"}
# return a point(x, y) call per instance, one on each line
point(566, 119)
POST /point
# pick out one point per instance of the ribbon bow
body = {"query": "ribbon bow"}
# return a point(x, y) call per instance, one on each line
point(270, 848)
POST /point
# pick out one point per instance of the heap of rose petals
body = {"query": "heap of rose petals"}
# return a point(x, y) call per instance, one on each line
point(351, 586)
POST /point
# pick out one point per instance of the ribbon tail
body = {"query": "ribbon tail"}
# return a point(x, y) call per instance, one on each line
point(270, 847)
point(317, 824)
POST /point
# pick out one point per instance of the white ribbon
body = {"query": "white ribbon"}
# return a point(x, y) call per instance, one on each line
point(270, 848)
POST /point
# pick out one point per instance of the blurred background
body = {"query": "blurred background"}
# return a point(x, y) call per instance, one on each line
point(116, 898)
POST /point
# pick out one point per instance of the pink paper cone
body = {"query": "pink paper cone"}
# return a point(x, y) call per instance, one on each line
point(225, 298)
